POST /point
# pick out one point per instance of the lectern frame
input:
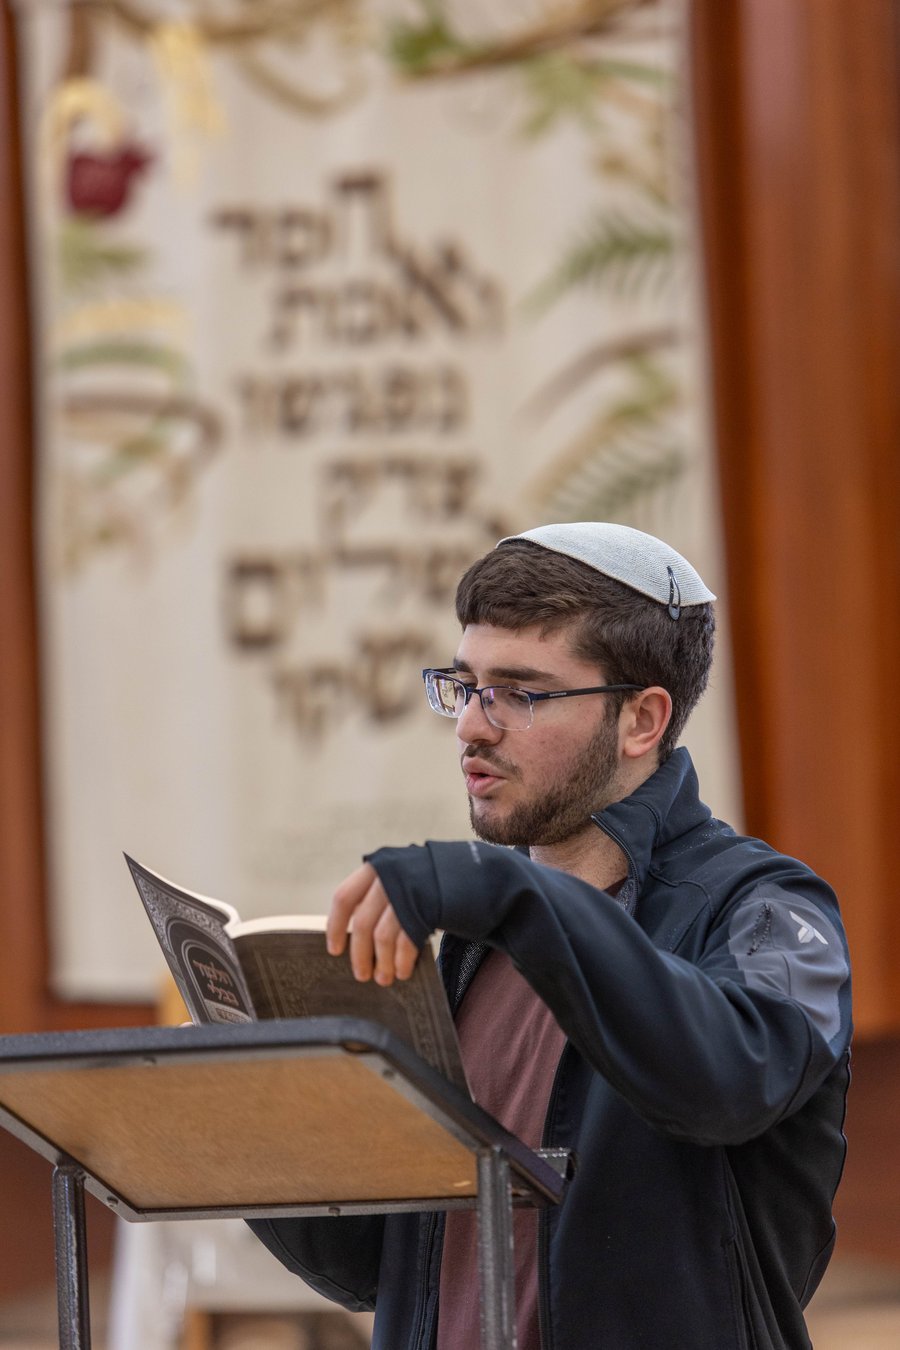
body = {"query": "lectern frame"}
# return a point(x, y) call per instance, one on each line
point(315, 1116)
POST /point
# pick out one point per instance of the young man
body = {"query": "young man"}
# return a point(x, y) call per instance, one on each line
point(643, 986)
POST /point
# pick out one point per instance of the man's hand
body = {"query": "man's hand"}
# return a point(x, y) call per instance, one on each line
point(377, 942)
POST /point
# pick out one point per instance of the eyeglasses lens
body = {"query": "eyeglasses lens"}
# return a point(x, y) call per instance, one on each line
point(508, 709)
point(446, 695)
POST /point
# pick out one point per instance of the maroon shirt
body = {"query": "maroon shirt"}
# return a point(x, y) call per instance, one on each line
point(511, 1044)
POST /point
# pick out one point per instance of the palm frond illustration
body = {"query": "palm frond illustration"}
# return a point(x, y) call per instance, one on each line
point(628, 450)
point(626, 253)
point(614, 476)
point(561, 84)
point(431, 46)
point(632, 350)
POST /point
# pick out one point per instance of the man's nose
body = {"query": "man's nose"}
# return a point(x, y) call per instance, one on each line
point(472, 725)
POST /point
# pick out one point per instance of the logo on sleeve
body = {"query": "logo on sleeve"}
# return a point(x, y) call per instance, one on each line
point(805, 931)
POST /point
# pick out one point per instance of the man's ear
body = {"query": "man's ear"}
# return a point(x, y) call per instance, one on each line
point(643, 720)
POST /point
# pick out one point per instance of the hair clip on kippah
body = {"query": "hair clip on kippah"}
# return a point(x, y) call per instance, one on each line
point(674, 596)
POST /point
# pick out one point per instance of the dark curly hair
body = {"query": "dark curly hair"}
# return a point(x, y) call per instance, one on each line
point(629, 636)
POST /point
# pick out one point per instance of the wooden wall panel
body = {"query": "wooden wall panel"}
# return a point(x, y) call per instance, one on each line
point(798, 146)
point(26, 1004)
point(22, 937)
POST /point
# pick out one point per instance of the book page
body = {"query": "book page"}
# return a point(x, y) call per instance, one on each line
point(191, 930)
point(278, 923)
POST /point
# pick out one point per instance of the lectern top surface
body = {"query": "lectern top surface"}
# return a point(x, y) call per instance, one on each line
point(260, 1118)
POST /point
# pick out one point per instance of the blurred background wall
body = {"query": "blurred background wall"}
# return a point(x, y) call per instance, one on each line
point(648, 261)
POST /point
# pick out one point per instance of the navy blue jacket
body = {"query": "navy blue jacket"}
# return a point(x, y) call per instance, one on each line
point(707, 1011)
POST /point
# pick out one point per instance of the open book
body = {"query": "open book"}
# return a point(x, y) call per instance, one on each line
point(233, 970)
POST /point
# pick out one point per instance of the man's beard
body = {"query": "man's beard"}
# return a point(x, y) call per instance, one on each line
point(563, 808)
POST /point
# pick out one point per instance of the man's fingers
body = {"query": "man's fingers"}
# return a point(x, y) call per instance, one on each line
point(362, 941)
point(378, 945)
point(386, 934)
point(405, 957)
point(346, 898)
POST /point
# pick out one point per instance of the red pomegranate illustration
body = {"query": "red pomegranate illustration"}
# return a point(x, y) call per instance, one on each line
point(100, 184)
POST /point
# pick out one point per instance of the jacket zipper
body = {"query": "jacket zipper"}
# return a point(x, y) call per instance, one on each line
point(544, 1216)
point(544, 1323)
point(416, 1342)
point(620, 843)
point(456, 984)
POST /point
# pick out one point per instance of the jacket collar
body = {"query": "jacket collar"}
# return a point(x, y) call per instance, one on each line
point(663, 808)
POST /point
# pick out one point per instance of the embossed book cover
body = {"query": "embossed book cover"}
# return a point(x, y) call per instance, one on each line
point(231, 970)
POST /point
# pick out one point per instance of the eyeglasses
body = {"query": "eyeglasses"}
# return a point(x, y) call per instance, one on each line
point(505, 707)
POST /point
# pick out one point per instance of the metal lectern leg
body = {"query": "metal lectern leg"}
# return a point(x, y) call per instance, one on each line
point(495, 1252)
point(70, 1238)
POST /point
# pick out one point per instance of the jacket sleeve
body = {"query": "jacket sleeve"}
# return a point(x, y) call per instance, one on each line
point(713, 1050)
point(339, 1258)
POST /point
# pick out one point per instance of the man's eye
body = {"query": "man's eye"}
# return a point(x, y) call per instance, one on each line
point(511, 696)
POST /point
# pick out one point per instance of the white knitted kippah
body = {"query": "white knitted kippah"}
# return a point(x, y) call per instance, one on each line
point(638, 560)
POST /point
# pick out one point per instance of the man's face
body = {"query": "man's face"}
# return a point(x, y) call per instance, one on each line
point(540, 786)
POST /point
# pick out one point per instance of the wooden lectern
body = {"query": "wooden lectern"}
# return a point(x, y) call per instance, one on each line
point(319, 1116)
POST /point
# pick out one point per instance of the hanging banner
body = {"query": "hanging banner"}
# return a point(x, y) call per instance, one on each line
point(329, 299)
